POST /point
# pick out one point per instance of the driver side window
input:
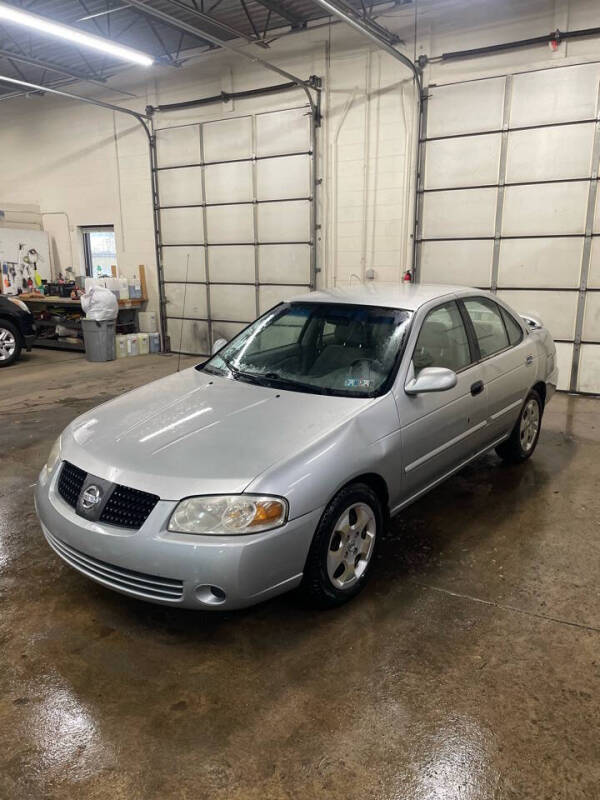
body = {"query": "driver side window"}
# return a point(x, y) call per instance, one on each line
point(442, 341)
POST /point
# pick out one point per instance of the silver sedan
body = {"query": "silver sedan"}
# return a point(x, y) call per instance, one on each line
point(277, 463)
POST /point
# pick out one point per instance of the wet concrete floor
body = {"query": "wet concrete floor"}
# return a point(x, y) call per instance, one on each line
point(468, 668)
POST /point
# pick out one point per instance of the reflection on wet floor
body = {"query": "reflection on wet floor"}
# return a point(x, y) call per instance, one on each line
point(468, 669)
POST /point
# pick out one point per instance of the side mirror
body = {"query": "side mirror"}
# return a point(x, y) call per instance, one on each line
point(431, 379)
point(218, 345)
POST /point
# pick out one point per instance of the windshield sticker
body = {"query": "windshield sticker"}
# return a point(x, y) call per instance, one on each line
point(358, 383)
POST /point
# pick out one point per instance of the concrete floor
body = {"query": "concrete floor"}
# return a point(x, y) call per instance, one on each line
point(469, 667)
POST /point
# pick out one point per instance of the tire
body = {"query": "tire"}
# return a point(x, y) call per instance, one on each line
point(335, 571)
point(10, 344)
point(524, 437)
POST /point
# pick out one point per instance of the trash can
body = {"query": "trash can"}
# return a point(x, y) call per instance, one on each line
point(99, 338)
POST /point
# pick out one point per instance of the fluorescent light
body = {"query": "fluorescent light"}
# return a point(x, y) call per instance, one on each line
point(44, 25)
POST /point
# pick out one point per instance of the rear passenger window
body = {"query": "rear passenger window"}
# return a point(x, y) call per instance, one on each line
point(489, 327)
point(515, 334)
point(442, 341)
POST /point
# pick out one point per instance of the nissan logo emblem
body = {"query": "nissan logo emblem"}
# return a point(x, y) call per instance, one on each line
point(91, 497)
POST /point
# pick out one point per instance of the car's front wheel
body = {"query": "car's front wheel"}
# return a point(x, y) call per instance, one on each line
point(524, 437)
point(10, 344)
point(342, 549)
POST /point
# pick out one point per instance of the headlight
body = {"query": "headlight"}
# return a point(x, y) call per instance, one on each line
point(229, 514)
point(53, 457)
point(19, 303)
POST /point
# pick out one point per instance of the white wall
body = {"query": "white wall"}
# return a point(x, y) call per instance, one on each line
point(86, 166)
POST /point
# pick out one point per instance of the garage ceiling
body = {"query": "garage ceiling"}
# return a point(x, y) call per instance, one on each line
point(43, 60)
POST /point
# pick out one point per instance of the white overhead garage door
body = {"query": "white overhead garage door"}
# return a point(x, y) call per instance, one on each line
point(509, 201)
point(236, 221)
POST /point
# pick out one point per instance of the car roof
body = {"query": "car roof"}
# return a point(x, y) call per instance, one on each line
point(409, 296)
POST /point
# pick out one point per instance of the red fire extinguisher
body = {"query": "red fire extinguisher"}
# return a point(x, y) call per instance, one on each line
point(407, 276)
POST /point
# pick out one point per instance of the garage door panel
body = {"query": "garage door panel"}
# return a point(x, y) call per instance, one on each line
point(466, 263)
point(540, 262)
point(591, 317)
point(553, 208)
point(550, 153)
point(589, 369)
point(235, 303)
point(188, 336)
point(186, 300)
point(284, 263)
point(269, 296)
point(564, 360)
point(555, 95)
point(182, 225)
point(465, 107)
point(183, 263)
point(279, 132)
point(227, 139)
point(226, 330)
point(284, 222)
point(229, 224)
point(234, 264)
point(465, 161)
point(177, 146)
point(180, 187)
point(228, 183)
point(280, 178)
point(594, 273)
point(556, 309)
point(465, 212)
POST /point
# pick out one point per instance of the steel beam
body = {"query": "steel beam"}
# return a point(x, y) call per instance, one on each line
point(215, 23)
point(289, 16)
point(35, 62)
point(185, 26)
point(35, 87)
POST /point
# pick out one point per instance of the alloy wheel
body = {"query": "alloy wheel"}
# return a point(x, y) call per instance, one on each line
point(351, 545)
point(530, 423)
point(8, 344)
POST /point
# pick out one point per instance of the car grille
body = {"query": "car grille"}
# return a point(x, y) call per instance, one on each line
point(125, 580)
point(70, 483)
point(126, 507)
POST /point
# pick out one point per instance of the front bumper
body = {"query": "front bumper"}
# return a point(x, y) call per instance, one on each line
point(176, 569)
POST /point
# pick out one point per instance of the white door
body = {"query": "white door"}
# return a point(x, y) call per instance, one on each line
point(236, 218)
point(509, 201)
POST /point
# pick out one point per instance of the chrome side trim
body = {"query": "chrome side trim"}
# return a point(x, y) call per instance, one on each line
point(445, 446)
point(448, 474)
point(507, 409)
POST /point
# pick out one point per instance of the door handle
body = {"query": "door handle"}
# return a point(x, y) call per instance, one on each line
point(529, 359)
point(476, 388)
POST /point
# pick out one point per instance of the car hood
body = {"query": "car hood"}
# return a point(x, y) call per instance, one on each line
point(195, 433)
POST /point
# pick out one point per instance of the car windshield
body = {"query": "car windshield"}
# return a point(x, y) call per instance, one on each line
point(325, 348)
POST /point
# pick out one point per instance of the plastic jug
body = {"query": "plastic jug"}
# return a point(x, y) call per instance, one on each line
point(132, 344)
point(143, 344)
point(121, 345)
point(154, 342)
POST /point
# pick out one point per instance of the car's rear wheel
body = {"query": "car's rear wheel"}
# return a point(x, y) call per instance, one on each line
point(342, 549)
point(10, 344)
point(524, 437)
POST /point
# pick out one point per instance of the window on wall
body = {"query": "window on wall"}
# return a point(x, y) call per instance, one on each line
point(100, 250)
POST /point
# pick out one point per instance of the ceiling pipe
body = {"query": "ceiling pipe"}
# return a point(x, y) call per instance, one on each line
point(215, 23)
point(355, 21)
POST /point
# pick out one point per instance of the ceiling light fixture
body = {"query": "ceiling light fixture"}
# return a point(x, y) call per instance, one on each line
point(77, 37)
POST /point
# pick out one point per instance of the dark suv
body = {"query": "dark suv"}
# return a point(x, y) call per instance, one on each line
point(17, 329)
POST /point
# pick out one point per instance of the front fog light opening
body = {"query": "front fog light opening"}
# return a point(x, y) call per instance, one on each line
point(210, 595)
